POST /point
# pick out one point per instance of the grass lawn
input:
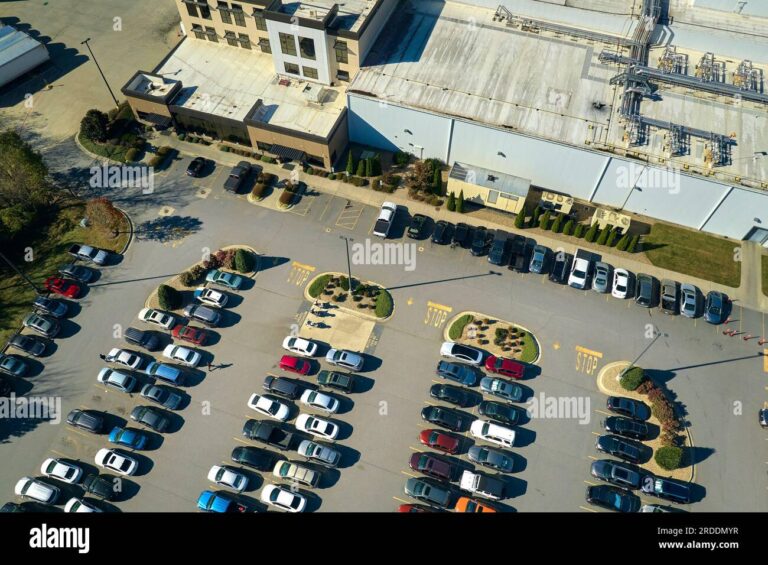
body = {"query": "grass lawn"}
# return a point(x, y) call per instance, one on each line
point(765, 275)
point(530, 349)
point(457, 328)
point(693, 253)
point(114, 152)
point(49, 253)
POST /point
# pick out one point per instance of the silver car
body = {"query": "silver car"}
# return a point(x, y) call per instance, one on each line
point(601, 282)
point(43, 325)
point(344, 358)
point(689, 300)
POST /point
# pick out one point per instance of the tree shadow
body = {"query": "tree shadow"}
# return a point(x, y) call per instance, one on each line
point(168, 228)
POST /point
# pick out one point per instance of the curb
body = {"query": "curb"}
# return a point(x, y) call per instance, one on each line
point(131, 233)
point(352, 312)
point(450, 322)
point(93, 155)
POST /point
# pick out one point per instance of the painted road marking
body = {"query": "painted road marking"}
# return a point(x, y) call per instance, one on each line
point(299, 273)
point(765, 360)
point(303, 207)
point(589, 509)
point(166, 211)
point(587, 360)
point(349, 217)
point(437, 314)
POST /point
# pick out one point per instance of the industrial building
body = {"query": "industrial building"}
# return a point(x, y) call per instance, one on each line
point(19, 54)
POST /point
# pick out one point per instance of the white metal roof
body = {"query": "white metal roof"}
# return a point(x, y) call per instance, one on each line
point(14, 44)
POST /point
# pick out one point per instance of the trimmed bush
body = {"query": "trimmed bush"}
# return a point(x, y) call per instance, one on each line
point(384, 305)
point(93, 126)
point(623, 242)
point(457, 328)
point(603, 237)
point(568, 227)
point(591, 233)
point(633, 243)
point(669, 457)
point(544, 220)
point(169, 297)
point(318, 285)
point(131, 154)
point(244, 261)
point(402, 158)
point(460, 203)
point(360, 172)
point(520, 219)
point(451, 205)
point(632, 378)
point(536, 215)
point(258, 190)
point(376, 184)
point(286, 198)
point(611, 238)
point(557, 223)
point(268, 159)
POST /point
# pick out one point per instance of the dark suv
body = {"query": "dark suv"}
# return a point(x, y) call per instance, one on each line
point(146, 339)
point(87, 420)
point(480, 241)
point(646, 291)
point(561, 268)
point(343, 382)
point(282, 387)
point(102, 486)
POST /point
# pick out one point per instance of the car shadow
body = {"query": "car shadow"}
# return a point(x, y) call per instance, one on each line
point(233, 301)
point(34, 367)
point(346, 404)
point(345, 429)
point(362, 384)
point(524, 437)
point(193, 377)
point(229, 319)
point(73, 308)
point(145, 463)
point(513, 486)
point(328, 476)
point(349, 456)
point(255, 480)
point(154, 440)
point(102, 505)
point(314, 502)
point(370, 363)
point(68, 329)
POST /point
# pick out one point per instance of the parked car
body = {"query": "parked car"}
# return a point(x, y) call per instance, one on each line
point(414, 509)
point(344, 382)
point(282, 387)
point(157, 317)
point(79, 506)
point(481, 240)
point(319, 452)
point(581, 270)
point(561, 268)
point(45, 326)
point(269, 406)
point(443, 232)
point(462, 235)
point(506, 367)
point(211, 297)
point(444, 417)
point(117, 380)
point(539, 260)
point(646, 290)
point(153, 418)
point(88, 253)
point(225, 279)
point(237, 176)
point(432, 466)
point(503, 413)
point(162, 396)
point(471, 506)
point(689, 300)
point(628, 407)
point(165, 373)
point(300, 346)
point(612, 498)
point(217, 502)
point(602, 280)
point(87, 420)
point(517, 253)
point(461, 352)
point(196, 167)
point(670, 296)
point(116, 461)
point(295, 364)
point(500, 249)
point(128, 437)
point(619, 474)
point(289, 471)
point(147, 339)
point(77, 272)
point(620, 287)
point(619, 447)
point(50, 306)
point(417, 227)
point(320, 401)
point(457, 372)
point(626, 427)
point(762, 417)
point(317, 426)
point(102, 486)
point(715, 307)
point(491, 458)
point(429, 491)
point(344, 358)
point(442, 441)
point(184, 355)
point(502, 388)
point(254, 457)
point(190, 334)
point(61, 470)
point(225, 476)
point(385, 220)
point(12, 365)
point(209, 317)
point(63, 287)
point(450, 394)
point(283, 498)
point(669, 489)
point(34, 489)
point(492, 433)
point(123, 357)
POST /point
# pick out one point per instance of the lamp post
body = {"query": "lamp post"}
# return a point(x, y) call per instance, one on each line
point(100, 71)
point(349, 263)
point(643, 352)
point(22, 275)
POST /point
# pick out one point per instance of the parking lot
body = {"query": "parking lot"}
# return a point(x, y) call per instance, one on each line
point(579, 331)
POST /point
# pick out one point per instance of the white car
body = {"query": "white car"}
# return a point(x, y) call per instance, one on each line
point(493, 433)
point(283, 498)
point(157, 317)
point(620, 287)
point(117, 462)
point(317, 426)
point(269, 406)
point(320, 401)
point(318, 452)
point(33, 489)
point(211, 297)
point(300, 346)
point(124, 357)
point(183, 355)
point(346, 359)
point(61, 470)
point(385, 220)
point(117, 380)
point(80, 506)
point(228, 477)
point(462, 353)
point(581, 270)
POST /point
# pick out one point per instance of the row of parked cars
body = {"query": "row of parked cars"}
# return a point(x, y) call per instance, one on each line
point(627, 429)
point(462, 368)
point(276, 405)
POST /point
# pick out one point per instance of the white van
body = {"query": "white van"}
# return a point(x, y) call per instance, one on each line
point(493, 433)
point(36, 490)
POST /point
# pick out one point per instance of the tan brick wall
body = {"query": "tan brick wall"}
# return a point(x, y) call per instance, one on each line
point(221, 28)
point(141, 105)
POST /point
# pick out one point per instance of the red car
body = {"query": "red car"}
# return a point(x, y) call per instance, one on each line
point(64, 287)
point(413, 508)
point(439, 440)
point(295, 364)
point(505, 367)
point(190, 334)
point(431, 466)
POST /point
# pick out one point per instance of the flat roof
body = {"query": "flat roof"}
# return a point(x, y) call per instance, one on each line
point(151, 85)
point(350, 16)
point(227, 82)
point(14, 44)
point(494, 180)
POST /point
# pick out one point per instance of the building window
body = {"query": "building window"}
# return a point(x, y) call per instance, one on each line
point(245, 41)
point(264, 45)
point(292, 68)
point(211, 34)
point(198, 31)
point(226, 17)
point(342, 75)
point(287, 44)
point(342, 53)
point(231, 38)
point(205, 11)
point(261, 22)
point(307, 47)
point(237, 13)
point(263, 146)
point(309, 72)
point(192, 10)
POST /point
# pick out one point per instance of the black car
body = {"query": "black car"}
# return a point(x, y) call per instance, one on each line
point(499, 412)
point(500, 248)
point(619, 474)
point(87, 420)
point(151, 417)
point(462, 235)
point(50, 306)
point(443, 232)
point(282, 387)
point(102, 486)
point(196, 167)
point(149, 340)
point(619, 447)
point(628, 407)
point(646, 290)
point(491, 457)
point(259, 459)
point(539, 260)
point(626, 427)
point(613, 498)
point(480, 241)
point(517, 254)
point(669, 489)
point(443, 417)
point(762, 417)
point(417, 226)
point(715, 307)
point(449, 393)
point(28, 344)
point(561, 268)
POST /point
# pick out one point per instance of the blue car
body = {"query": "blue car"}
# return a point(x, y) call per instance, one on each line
point(165, 372)
point(223, 278)
point(457, 372)
point(218, 502)
point(126, 437)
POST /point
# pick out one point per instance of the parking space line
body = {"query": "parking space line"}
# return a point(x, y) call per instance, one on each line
point(409, 474)
point(419, 449)
point(591, 352)
point(241, 440)
point(589, 509)
point(58, 453)
point(603, 412)
point(349, 216)
point(401, 500)
point(591, 483)
point(765, 360)
point(592, 457)
point(595, 433)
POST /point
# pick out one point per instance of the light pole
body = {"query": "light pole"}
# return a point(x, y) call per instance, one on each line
point(22, 275)
point(100, 71)
point(643, 352)
point(349, 263)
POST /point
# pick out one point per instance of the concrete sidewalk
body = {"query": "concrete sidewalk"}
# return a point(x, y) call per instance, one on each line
point(749, 294)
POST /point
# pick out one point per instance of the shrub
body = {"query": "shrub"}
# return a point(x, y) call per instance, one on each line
point(402, 158)
point(603, 237)
point(520, 219)
point(102, 213)
point(318, 285)
point(668, 457)
point(544, 220)
point(451, 205)
point(131, 154)
point(633, 243)
point(556, 225)
point(268, 159)
point(579, 231)
point(568, 227)
point(93, 126)
point(139, 143)
point(225, 148)
point(392, 180)
point(623, 242)
point(457, 328)
point(376, 165)
point(437, 182)
point(286, 198)
point(460, 203)
point(244, 261)
point(169, 297)
point(360, 171)
point(612, 238)
point(163, 151)
point(632, 378)
point(258, 190)
point(591, 233)
point(376, 184)
point(197, 272)
point(383, 305)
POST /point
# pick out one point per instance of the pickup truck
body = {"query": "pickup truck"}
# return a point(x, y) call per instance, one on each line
point(385, 220)
point(288, 471)
point(482, 485)
point(670, 296)
point(268, 433)
point(581, 271)
point(237, 176)
point(88, 253)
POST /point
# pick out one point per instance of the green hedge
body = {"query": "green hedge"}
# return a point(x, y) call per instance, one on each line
point(318, 285)
point(457, 328)
point(384, 304)
point(244, 261)
point(632, 378)
point(169, 297)
point(669, 458)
